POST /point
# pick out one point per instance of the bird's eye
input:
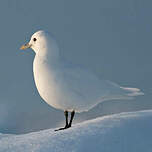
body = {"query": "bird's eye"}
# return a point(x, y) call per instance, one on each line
point(34, 39)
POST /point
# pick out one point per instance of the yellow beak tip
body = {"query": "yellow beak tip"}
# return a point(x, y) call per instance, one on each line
point(25, 46)
point(22, 48)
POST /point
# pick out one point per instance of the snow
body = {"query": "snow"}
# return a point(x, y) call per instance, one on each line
point(125, 132)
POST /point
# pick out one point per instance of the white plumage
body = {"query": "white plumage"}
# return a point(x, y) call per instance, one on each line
point(66, 86)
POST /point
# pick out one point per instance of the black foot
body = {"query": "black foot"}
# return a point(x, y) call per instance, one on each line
point(66, 127)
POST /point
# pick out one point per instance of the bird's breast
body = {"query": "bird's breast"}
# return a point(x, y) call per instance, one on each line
point(44, 77)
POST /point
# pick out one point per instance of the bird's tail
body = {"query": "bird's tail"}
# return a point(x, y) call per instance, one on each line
point(132, 91)
point(116, 92)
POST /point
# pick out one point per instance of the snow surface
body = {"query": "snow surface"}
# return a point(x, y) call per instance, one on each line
point(125, 132)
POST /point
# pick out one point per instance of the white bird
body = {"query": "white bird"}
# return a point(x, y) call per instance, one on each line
point(66, 86)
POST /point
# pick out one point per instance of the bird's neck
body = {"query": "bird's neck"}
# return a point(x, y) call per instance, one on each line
point(50, 53)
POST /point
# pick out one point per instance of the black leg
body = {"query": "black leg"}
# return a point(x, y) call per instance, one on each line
point(72, 116)
point(66, 119)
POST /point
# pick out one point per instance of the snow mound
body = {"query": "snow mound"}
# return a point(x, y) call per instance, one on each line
point(125, 132)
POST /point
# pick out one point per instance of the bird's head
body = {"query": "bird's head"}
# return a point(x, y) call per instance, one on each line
point(42, 43)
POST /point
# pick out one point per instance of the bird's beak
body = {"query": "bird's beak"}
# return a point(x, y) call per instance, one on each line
point(25, 46)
